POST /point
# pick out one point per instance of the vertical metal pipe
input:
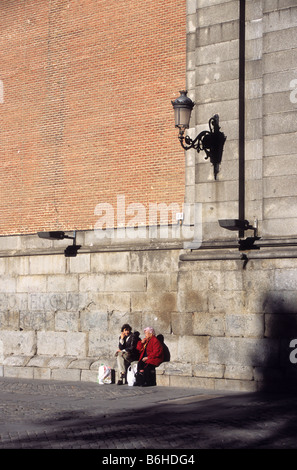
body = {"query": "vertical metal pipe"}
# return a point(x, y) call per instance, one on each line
point(241, 175)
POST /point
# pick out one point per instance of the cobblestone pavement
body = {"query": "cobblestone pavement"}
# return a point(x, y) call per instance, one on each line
point(78, 415)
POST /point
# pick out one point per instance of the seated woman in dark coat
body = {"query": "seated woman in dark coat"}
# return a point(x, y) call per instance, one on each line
point(127, 351)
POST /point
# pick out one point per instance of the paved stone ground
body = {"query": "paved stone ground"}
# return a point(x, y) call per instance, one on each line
point(79, 415)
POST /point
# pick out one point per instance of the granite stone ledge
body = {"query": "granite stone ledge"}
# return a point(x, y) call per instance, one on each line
point(41, 373)
point(60, 362)
point(162, 380)
point(208, 370)
point(82, 363)
point(175, 368)
point(235, 385)
point(89, 375)
point(19, 372)
point(66, 374)
point(16, 361)
point(39, 361)
point(103, 360)
point(191, 382)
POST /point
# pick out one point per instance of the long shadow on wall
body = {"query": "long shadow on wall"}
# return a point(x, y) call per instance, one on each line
point(278, 370)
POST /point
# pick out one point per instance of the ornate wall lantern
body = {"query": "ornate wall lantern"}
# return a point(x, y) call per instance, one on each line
point(212, 141)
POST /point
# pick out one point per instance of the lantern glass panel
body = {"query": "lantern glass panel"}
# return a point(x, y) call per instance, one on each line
point(182, 117)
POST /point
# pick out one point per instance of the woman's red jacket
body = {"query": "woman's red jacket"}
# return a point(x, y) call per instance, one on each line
point(154, 351)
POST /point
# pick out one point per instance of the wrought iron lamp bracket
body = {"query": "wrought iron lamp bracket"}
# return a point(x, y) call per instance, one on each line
point(211, 142)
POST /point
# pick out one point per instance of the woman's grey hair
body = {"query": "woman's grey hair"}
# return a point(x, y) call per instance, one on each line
point(150, 330)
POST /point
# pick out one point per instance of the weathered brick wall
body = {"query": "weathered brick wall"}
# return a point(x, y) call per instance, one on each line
point(85, 110)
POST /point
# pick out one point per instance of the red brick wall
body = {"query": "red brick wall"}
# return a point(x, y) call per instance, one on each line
point(86, 112)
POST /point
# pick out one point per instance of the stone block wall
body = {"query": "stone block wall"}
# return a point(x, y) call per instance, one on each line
point(61, 317)
point(226, 325)
point(270, 112)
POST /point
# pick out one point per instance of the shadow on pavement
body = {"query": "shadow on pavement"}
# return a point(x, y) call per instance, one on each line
point(241, 421)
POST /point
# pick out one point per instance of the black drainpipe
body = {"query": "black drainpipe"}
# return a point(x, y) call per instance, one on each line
point(241, 163)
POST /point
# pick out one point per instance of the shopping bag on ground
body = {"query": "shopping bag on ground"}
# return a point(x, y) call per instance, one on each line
point(104, 374)
point(131, 373)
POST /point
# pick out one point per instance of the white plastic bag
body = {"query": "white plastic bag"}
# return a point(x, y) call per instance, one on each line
point(131, 372)
point(104, 374)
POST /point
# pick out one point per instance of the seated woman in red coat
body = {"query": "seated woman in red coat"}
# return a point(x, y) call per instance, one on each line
point(151, 356)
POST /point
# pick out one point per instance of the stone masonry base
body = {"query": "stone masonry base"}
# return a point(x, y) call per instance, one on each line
point(86, 369)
